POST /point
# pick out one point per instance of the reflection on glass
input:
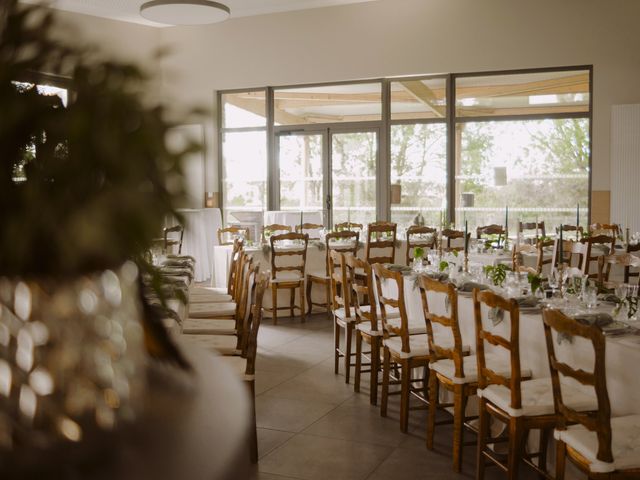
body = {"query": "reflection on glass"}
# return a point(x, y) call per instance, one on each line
point(355, 102)
point(418, 99)
point(244, 156)
point(354, 158)
point(547, 172)
point(419, 166)
point(301, 172)
point(522, 94)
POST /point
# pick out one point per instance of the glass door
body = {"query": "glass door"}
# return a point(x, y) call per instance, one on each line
point(354, 159)
point(301, 160)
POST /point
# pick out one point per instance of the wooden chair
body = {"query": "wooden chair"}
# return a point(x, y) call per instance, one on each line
point(323, 278)
point(343, 314)
point(310, 227)
point(293, 274)
point(604, 245)
point(168, 242)
point(274, 229)
point(245, 366)
point(542, 245)
point(451, 365)
point(523, 405)
point(354, 227)
point(577, 230)
point(233, 232)
point(493, 229)
point(381, 235)
point(538, 229)
point(598, 444)
point(400, 347)
point(625, 260)
point(570, 249)
point(516, 258)
point(368, 329)
point(609, 229)
point(199, 294)
point(450, 235)
point(419, 233)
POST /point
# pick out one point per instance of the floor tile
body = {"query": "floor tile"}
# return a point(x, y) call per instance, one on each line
point(327, 388)
point(287, 414)
point(268, 440)
point(317, 458)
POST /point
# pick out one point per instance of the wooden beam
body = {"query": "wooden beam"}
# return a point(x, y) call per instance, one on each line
point(257, 105)
point(424, 95)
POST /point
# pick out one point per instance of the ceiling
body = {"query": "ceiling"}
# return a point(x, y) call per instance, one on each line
point(128, 10)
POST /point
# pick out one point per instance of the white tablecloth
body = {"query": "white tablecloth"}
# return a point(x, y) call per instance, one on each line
point(200, 237)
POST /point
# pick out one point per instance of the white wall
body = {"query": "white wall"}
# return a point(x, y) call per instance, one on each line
point(392, 37)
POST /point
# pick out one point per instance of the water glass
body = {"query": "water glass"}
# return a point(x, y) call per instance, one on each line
point(590, 296)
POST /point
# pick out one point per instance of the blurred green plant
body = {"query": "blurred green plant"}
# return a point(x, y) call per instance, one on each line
point(82, 188)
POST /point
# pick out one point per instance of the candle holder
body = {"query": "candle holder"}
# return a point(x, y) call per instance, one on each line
point(466, 262)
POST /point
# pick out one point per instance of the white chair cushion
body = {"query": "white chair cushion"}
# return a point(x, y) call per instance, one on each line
point(207, 290)
point(415, 326)
point(210, 298)
point(418, 344)
point(537, 398)
point(223, 344)
point(210, 326)
point(447, 368)
point(209, 310)
point(341, 318)
point(392, 313)
point(287, 277)
point(625, 444)
point(238, 365)
point(318, 274)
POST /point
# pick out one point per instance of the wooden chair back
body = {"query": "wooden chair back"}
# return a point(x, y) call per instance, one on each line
point(381, 236)
point(345, 241)
point(485, 302)
point(233, 268)
point(609, 229)
point(310, 227)
point(579, 231)
point(274, 229)
point(493, 229)
point(166, 231)
point(340, 283)
point(556, 322)
point(606, 247)
point(254, 320)
point(382, 275)
point(417, 236)
point(628, 274)
point(516, 257)
point(538, 229)
point(570, 249)
point(243, 307)
point(605, 262)
point(280, 253)
point(447, 320)
point(232, 232)
point(357, 227)
point(542, 245)
point(448, 235)
point(361, 288)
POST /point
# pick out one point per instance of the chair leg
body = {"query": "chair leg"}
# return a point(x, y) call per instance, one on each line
point(274, 304)
point(483, 428)
point(516, 436)
point(303, 313)
point(405, 395)
point(375, 366)
point(348, 331)
point(434, 386)
point(356, 373)
point(292, 302)
point(561, 458)
point(327, 289)
point(309, 304)
point(458, 425)
point(386, 367)
point(253, 448)
point(336, 346)
point(544, 442)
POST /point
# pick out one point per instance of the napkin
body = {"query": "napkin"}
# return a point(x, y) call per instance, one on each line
point(399, 268)
point(527, 302)
point(599, 319)
point(469, 286)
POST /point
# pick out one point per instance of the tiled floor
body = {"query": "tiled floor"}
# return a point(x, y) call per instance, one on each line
point(312, 426)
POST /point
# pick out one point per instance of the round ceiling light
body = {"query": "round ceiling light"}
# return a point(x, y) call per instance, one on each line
point(184, 12)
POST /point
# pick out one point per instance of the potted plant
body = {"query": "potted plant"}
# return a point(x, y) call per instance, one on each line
point(84, 189)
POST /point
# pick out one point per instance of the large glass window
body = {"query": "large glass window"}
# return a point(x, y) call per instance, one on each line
point(301, 163)
point(243, 143)
point(509, 154)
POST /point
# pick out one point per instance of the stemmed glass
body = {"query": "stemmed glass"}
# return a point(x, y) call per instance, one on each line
point(632, 296)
